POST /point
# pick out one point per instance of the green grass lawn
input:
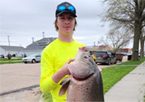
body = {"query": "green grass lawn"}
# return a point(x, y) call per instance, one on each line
point(111, 75)
point(6, 61)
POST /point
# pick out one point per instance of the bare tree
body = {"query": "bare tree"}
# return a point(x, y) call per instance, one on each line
point(116, 39)
point(130, 15)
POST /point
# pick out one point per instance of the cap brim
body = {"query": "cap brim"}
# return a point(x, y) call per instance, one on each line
point(74, 15)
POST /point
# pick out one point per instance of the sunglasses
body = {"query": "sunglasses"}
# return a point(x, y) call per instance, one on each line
point(63, 8)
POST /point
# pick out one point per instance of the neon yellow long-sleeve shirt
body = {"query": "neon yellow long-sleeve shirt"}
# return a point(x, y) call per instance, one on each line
point(54, 56)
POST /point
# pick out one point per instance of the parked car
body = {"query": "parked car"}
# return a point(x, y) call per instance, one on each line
point(119, 56)
point(2, 56)
point(122, 53)
point(93, 55)
point(105, 57)
point(130, 55)
point(35, 58)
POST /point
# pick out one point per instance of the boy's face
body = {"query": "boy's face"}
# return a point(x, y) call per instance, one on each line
point(65, 23)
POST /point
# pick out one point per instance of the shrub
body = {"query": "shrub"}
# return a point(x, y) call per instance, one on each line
point(9, 56)
point(25, 55)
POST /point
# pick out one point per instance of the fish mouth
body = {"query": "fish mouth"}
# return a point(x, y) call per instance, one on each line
point(82, 79)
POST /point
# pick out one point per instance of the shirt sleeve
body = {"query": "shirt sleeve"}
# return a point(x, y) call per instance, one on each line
point(47, 70)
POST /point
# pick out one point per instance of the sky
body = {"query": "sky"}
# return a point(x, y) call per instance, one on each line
point(22, 20)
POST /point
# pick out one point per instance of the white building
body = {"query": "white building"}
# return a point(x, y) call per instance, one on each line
point(34, 48)
point(38, 46)
point(13, 50)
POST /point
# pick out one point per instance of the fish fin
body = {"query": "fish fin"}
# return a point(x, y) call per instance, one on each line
point(65, 80)
point(65, 84)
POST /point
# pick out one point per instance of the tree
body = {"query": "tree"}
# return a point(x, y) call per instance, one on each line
point(142, 39)
point(9, 56)
point(116, 39)
point(25, 55)
point(130, 15)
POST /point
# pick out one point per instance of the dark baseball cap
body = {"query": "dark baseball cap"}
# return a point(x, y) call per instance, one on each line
point(65, 7)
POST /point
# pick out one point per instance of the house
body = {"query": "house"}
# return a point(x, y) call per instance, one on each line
point(13, 50)
point(35, 47)
point(104, 48)
point(125, 50)
point(99, 48)
point(38, 46)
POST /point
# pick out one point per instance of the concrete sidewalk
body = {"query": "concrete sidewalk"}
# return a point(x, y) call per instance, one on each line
point(130, 88)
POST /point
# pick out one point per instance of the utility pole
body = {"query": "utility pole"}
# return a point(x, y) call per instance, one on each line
point(8, 41)
point(43, 34)
point(94, 43)
point(32, 39)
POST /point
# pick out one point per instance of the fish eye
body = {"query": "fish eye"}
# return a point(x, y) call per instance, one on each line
point(85, 57)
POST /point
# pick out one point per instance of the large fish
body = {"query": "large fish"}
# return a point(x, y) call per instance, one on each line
point(85, 82)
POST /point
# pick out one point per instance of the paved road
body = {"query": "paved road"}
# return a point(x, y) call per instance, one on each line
point(20, 82)
point(20, 76)
point(14, 77)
